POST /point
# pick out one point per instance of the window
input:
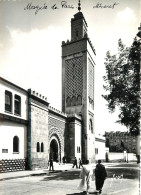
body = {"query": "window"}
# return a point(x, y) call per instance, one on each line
point(38, 147)
point(96, 150)
point(68, 101)
point(15, 144)
point(42, 147)
point(91, 126)
point(73, 101)
point(78, 149)
point(8, 101)
point(76, 33)
point(17, 102)
point(79, 100)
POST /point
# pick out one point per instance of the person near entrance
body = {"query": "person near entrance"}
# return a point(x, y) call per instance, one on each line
point(100, 176)
point(51, 164)
point(75, 163)
point(80, 163)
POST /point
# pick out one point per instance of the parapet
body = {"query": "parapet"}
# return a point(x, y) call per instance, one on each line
point(38, 95)
point(85, 37)
point(57, 111)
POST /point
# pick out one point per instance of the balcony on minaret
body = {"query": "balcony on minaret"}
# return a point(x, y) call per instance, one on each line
point(78, 27)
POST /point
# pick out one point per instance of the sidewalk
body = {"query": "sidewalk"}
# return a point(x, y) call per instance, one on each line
point(27, 173)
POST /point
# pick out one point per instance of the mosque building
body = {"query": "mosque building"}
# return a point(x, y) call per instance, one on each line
point(31, 131)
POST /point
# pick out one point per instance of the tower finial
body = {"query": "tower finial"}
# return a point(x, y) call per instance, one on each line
point(79, 8)
point(139, 32)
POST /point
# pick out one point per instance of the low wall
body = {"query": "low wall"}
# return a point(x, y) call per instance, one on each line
point(11, 165)
point(112, 156)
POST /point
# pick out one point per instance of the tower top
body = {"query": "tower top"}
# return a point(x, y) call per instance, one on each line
point(139, 28)
point(139, 31)
point(79, 4)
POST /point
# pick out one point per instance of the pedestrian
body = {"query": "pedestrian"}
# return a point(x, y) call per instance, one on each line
point(80, 163)
point(64, 159)
point(75, 163)
point(51, 164)
point(86, 177)
point(100, 176)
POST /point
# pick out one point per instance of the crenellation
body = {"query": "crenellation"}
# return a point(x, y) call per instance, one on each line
point(36, 94)
point(56, 110)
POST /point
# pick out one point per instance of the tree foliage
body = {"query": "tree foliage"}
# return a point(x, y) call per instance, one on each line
point(122, 83)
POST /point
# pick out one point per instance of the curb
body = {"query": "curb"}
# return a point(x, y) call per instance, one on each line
point(16, 177)
point(33, 174)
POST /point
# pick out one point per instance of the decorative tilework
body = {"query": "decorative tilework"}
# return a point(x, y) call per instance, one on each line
point(74, 77)
point(91, 83)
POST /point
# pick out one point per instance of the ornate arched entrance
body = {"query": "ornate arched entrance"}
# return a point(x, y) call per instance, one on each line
point(54, 150)
point(56, 145)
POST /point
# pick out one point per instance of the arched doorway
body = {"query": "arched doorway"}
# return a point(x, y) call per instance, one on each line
point(54, 150)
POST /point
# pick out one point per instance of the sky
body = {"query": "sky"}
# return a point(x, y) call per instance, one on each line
point(30, 44)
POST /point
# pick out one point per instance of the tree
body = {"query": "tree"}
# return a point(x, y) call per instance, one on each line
point(107, 143)
point(122, 83)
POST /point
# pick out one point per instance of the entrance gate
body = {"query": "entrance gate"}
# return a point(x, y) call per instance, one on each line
point(54, 150)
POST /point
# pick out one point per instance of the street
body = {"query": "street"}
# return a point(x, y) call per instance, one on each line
point(123, 179)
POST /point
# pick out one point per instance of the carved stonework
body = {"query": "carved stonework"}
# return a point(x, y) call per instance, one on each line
point(57, 128)
point(55, 132)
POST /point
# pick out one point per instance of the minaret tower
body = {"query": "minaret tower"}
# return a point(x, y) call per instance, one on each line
point(78, 62)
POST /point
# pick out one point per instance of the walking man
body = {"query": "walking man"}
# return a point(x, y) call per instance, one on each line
point(75, 163)
point(80, 163)
point(100, 176)
point(51, 164)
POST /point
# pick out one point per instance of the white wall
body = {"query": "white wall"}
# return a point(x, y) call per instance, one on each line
point(122, 156)
point(13, 90)
point(7, 131)
point(101, 148)
point(78, 140)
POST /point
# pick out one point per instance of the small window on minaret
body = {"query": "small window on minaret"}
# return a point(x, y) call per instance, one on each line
point(85, 32)
point(76, 33)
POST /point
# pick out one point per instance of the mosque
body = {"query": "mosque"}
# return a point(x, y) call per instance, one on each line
point(31, 131)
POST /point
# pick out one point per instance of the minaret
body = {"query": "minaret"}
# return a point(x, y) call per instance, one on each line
point(78, 63)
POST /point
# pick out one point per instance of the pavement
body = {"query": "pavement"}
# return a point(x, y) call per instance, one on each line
point(57, 167)
point(19, 174)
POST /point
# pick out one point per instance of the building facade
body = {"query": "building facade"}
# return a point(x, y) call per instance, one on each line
point(31, 131)
point(121, 141)
point(13, 126)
